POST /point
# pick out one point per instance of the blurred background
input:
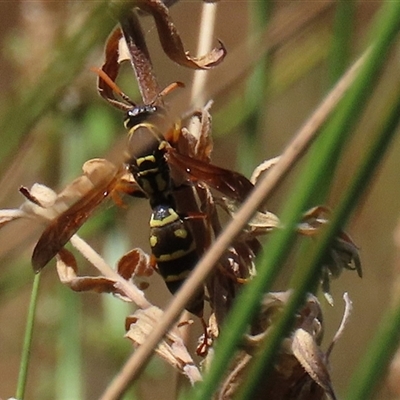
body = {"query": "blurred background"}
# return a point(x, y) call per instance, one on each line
point(281, 62)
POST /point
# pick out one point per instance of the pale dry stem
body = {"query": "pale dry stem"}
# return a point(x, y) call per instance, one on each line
point(198, 100)
point(206, 35)
point(130, 290)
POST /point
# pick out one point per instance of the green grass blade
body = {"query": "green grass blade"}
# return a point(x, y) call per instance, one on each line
point(341, 42)
point(69, 379)
point(26, 351)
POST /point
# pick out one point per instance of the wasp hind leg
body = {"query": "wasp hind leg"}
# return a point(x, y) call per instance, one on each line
point(205, 340)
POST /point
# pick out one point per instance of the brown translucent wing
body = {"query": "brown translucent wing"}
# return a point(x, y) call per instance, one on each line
point(230, 183)
point(62, 228)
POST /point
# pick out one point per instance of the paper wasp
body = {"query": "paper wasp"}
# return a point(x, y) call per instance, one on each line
point(153, 159)
point(151, 137)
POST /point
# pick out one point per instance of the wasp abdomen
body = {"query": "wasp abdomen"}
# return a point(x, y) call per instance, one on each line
point(174, 249)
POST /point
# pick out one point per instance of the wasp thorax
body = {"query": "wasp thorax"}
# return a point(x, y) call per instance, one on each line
point(144, 141)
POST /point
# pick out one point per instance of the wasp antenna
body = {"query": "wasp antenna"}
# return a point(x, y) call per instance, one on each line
point(103, 75)
point(172, 86)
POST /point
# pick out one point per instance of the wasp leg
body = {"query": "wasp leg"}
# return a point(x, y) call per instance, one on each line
point(206, 341)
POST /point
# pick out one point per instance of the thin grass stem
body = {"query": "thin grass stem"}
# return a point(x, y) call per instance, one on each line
point(27, 344)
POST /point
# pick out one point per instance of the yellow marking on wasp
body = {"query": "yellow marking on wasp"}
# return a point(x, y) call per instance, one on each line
point(172, 217)
point(153, 240)
point(148, 171)
point(175, 255)
point(181, 233)
point(163, 144)
point(141, 160)
point(180, 277)
point(145, 125)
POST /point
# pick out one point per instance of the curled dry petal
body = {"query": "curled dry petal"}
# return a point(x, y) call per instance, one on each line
point(196, 139)
point(42, 195)
point(112, 64)
point(172, 350)
point(40, 205)
point(135, 262)
point(171, 41)
point(262, 222)
point(308, 353)
point(45, 206)
point(313, 360)
point(313, 220)
point(345, 319)
point(9, 215)
point(263, 167)
point(342, 253)
point(67, 271)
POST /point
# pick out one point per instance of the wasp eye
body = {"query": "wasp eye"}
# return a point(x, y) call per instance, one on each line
point(138, 114)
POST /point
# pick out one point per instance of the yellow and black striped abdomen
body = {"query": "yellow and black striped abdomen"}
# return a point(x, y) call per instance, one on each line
point(174, 249)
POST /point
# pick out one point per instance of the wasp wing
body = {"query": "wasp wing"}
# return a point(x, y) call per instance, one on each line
point(230, 183)
point(62, 228)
